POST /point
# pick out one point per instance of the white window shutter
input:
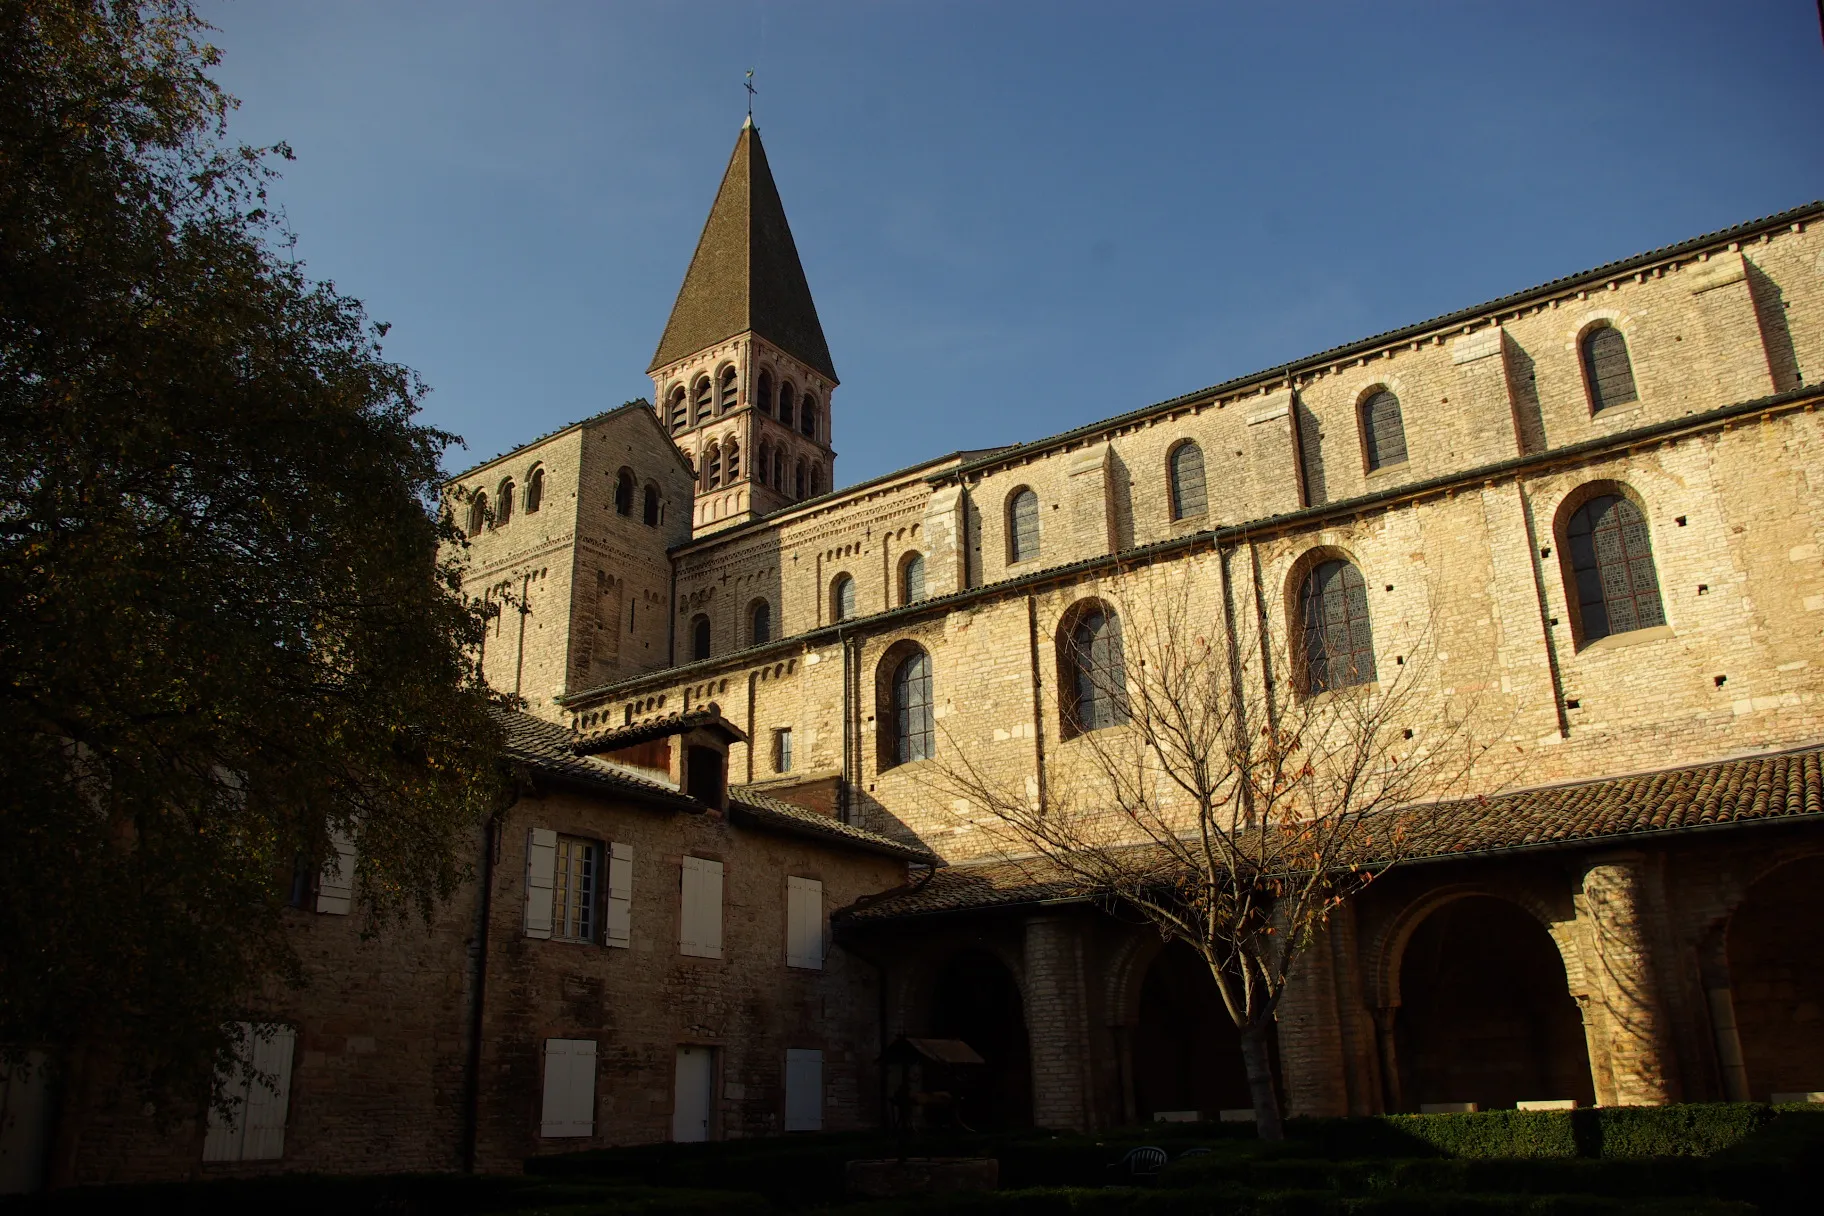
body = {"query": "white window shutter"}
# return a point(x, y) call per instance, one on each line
point(336, 884)
point(222, 1142)
point(803, 1090)
point(804, 923)
point(620, 895)
point(690, 908)
point(712, 909)
point(267, 1107)
point(541, 877)
point(569, 1101)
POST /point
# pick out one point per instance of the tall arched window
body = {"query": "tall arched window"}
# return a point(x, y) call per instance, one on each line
point(763, 464)
point(680, 410)
point(731, 459)
point(1022, 525)
point(798, 481)
point(699, 637)
point(785, 402)
point(760, 623)
point(535, 490)
point(726, 396)
point(764, 399)
point(912, 578)
point(703, 397)
point(1383, 431)
point(503, 510)
point(914, 723)
point(842, 598)
point(623, 493)
point(712, 466)
point(1338, 644)
point(817, 486)
point(478, 512)
point(807, 415)
point(1189, 496)
point(779, 469)
point(1093, 676)
point(1614, 583)
point(1607, 371)
point(651, 513)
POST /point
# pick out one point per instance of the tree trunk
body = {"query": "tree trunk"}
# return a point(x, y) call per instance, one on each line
point(1259, 1063)
point(72, 1120)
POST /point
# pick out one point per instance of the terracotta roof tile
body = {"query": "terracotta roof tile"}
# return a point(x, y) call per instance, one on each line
point(763, 810)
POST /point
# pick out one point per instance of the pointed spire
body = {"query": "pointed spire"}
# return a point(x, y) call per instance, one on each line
point(745, 274)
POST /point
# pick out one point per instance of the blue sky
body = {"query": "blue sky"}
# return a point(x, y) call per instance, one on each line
point(1015, 217)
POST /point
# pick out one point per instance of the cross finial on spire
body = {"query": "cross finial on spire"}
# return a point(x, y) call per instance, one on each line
point(748, 84)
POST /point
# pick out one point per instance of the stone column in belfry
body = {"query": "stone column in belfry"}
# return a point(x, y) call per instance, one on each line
point(1626, 991)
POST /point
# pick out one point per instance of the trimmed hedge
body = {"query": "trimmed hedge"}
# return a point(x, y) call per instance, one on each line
point(1064, 1201)
point(1692, 1130)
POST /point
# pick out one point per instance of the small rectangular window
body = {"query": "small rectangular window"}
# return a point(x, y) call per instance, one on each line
point(782, 750)
point(803, 1090)
point(574, 889)
point(258, 1094)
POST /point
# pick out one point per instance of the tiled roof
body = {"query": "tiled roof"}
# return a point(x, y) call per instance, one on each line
point(745, 273)
point(763, 810)
point(1779, 786)
point(549, 751)
point(658, 728)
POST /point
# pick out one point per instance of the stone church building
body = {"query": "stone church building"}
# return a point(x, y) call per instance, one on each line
point(1601, 498)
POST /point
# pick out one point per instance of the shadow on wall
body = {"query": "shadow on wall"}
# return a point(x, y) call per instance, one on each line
point(1776, 334)
point(976, 1000)
point(1775, 942)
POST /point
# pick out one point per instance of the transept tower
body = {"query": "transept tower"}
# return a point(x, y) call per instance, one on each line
point(743, 376)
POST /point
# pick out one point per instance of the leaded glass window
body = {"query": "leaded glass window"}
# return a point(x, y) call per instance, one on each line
point(762, 623)
point(1188, 493)
point(1617, 587)
point(1023, 526)
point(842, 598)
point(913, 579)
point(1606, 368)
point(1383, 431)
point(1338, 641)
point(1097, 679)
point(914, 728)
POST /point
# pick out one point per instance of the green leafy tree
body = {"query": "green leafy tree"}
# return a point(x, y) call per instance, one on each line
point(234, 624)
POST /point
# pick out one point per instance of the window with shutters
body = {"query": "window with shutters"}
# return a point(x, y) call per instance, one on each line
point(702, 397)
point(1022, 525)
point(764, 398)
point(623, 492)
point(699, 638)
point(725, 398)
point(535, 490)
point(680, 410)
point(779, 470)
point(478, 512)
point(569, 1098)
point(574, 889)
point(247, 1122)
point(817, 483)
point(731, 459)
point(782, 750)
point(808, 415)
point(1337, 644)
point(760, 623)
point(651, 513)
point(803, 1090)
point(842, 598)
point(1383, 432)
point(804, 923)
point(1189, 497)
point(1608, 375)
point(1612, 580)
point(912, 578)
point(700, 913)
point(786, 398)
point(712, 466)
point(618, 917)
point(503, 509)
point(906, 709)
point(798, 481)
point(1092, 672)
point(336, 879)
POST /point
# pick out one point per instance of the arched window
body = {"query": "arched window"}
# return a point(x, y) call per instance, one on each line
point(913, 722)
point(760, 623)
point(726, 398)
point(712, 466)
point(1093, 676)
point(842, 598)
point(1022, 525)
point(680, 411)
point(503, 510)
point(798, 481)
point(763, 464)
point(807, 415)
point(817, 486)
point(785, 402)
point(1189, 497)
point(912, 578)
point(703, 398)
point(699, 637)
point(623, 493)
point(765, 397)
point(779, 469)
point(651, 514)
point(535, 490)
point(1338, 644)
point(1383, 432)
point(1607, 372)
point(478, 512)
point(731, 458)
point(1614, 583)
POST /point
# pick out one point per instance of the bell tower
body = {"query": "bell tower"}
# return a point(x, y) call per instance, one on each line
point(743, 377)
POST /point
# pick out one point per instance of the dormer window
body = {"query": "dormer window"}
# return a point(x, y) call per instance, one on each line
point(705, 775)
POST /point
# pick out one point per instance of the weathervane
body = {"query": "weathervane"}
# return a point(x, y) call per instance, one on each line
point(748, 84)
